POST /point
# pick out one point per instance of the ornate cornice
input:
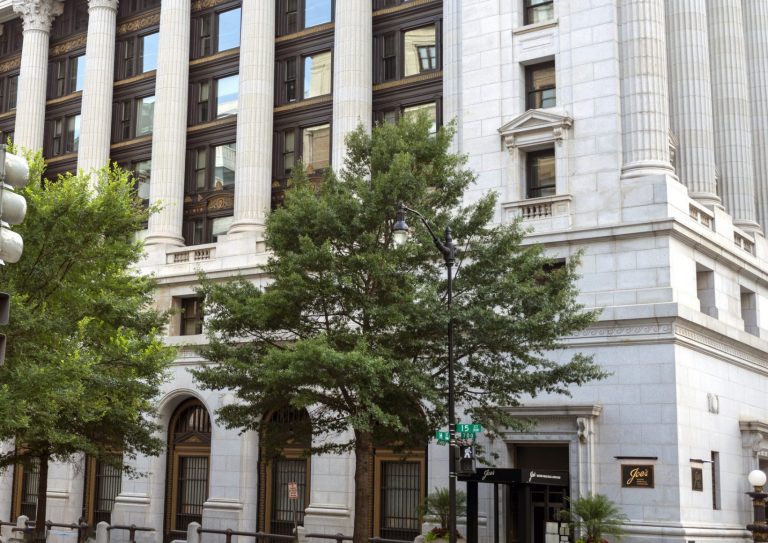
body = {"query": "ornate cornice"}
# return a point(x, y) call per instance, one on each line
point(205, 4)
point(139, 23)
point(69, 45)
point(10, 64)
point(38, 14)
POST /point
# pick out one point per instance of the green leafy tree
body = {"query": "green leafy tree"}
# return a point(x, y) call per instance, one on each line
point(85, 356)
point(353, 329)
point(596, 516)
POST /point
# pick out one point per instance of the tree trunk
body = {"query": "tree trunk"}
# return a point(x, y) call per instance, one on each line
point(363, 490)
point(42, 499)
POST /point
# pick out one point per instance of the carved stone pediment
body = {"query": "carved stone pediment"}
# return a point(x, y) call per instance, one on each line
point(536, 127)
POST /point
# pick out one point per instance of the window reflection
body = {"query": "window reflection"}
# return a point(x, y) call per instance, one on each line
point(149, 45)
point(79, 75)
point(420, 50)
point(226, 96)
point(229, 29)
point(431, 111)
point(317, 74)
point(317, 12)
point(73, 134)
point(142, 171)
point(145, 115)
point(316, 147)
point(224, 166)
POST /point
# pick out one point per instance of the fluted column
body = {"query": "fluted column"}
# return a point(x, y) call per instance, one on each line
point(96, 108)
point(644, 101)
point(253, 169)
point(730, 100)
point(169, 130)
point(756, 36)
point(37, 16)
point(691, 97)
point(352, 73)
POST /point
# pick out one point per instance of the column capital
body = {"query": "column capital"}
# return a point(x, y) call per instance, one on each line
point(109, 4)
point(38, 14)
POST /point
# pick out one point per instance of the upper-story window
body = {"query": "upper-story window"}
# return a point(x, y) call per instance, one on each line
point(63, 135)
point(540, 173)
point(310, 144)
point(393, 114)
point(142, 175)
point(214, 99)
point(66, 75)
point(537, 11)
point(304, 77)
point(208, 210)
point(136, 55)
point(215, 31)
point(191, 316)
point(295, 15)
point(133, 118)
point(540, 85)
point(404, 53)
point(381, 4)
point(11, 38)
point(73, 20)
point(129, 7)
point(9, 90)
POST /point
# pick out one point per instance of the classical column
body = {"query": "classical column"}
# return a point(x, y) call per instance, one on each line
point(755, 25)
point(253, 169)
point(96, 108)
point(730, 102)
point(37, 16)
point(352, 73)
point(644, 102)
point(691, 97)
point(169, 130)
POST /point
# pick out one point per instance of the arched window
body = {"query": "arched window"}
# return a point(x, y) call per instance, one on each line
point(189, 451)
point(284, 461)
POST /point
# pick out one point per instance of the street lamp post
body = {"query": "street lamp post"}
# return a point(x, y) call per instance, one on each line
point(448, 250)
point(759, 528)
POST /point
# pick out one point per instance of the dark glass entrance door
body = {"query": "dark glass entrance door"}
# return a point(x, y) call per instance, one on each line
point(531, 507)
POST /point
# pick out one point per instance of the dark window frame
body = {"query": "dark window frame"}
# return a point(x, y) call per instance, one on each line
point(398, 108)
point(24, 499)
point(191, 313)
point(102, 484)
point(73, 20)
point(205, 24)
point(62, 74)
point(533, 185)
point(529, 8)
point(125, 118)
point(389, 46)
point(9, 92)
point(282, 80)
point(534, 98)
point(298, 150)
point(12, 38)
point(127, 8)
point(129, 53)
point(58, 139)
point(287, 24)
point(386, 457)
point(204, 111)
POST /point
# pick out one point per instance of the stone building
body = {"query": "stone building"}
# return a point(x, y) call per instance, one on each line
point(635, 131)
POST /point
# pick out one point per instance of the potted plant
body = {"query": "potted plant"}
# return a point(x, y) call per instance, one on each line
point(595, 516)
point(437, 506)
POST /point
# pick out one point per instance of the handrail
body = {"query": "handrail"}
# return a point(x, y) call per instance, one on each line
point(132, 529)
point(260, 536)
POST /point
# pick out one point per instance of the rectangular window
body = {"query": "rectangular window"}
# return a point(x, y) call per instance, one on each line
point(13, 87)
point(389, 57)
point(538, 11)
point(145, 111)
point(191, 317)
point(290, 79)
point(73, 134)
point(201, 163)
point(705, 290)
point(142, 174)
point(540, 173)
point(284, 471)
point(61, 77)
point(224, 166)
point(295, 15)
point(431, 111)
point(127, 60)
point(219, 227)
point(126, 111)
point(26, 481)
point(56, 143)
point(400, 499)
point(749, 311)
point(204, 37)
point(77, 73)
point(192, 484)
point(316, 148)
point(291, 16)
point(317, 74)
point(102, 485)
point(316, 12)
point(203, 97)
point(148, 52)
point(715, 458)
point(227, 90)
point(228, 24)
point(419, 50)
point(540, 85)
point(289, 151)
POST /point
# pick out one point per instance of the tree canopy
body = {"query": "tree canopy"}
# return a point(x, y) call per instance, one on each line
point(85, 357)
point(353, 329)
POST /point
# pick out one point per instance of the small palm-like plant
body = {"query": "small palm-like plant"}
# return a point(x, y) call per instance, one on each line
point(437, 504)
point(596, 516)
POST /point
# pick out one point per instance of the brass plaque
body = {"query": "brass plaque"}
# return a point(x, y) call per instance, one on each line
point(637, 475)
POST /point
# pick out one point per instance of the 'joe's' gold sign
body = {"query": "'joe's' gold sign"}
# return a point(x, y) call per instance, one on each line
point(637, 476)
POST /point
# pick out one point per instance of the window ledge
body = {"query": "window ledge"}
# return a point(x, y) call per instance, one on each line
point(194, 253)
point(556, 209)
point(534, 27)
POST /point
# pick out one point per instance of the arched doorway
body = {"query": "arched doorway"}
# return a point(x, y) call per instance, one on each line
point(187, 468)
point(286, 439)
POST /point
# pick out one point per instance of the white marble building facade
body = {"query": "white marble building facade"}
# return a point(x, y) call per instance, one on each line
point(646, 136)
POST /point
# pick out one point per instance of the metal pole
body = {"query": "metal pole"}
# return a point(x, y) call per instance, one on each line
point(449, 258)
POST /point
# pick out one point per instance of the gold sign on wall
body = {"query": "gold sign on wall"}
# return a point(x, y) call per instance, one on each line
point(637, 475)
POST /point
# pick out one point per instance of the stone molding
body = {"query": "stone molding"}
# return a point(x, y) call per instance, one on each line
point(69, 45)
point(139, 23)
point(38, 14)
point(10, 64)
point(536, 126)
point(107, 4)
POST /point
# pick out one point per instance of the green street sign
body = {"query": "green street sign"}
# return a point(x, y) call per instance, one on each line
point(472, 427)
point(444, 435)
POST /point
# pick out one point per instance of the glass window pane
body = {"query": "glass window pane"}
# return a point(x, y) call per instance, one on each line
point(431, 111)
point(420, 50)
point(220, 225)
point(226, 96)
point(317, 12)
point(317, 74)
point(145, 115)
point(142, 172)
point(316, 147)
point(149, 49)
point(229, 29)
point(78, 67)
point(73, 134)
point(224, 166)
